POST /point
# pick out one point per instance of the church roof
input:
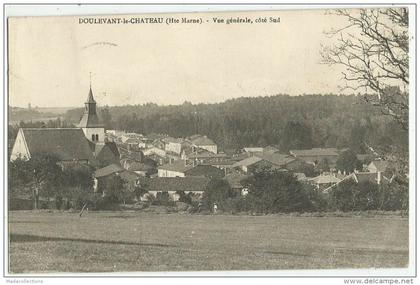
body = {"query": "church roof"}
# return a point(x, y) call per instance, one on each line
point(90, 97)
point(65, 143)
point(90, 119)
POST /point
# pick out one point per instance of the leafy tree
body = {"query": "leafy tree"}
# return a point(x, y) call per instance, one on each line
point(276, 191)
point(344, 196)
point(44, 175)
point(186, 198)
point(347, 161)
point(113, 188)
point(217, 191)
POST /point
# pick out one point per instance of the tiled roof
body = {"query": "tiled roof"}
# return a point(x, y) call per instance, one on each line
point(165, 184)
point(137, 166)
point(177, 165)
point(203, 153)
point(381, 165)
point(206, 171)
point(108, 170)
point(270, 149)
point(65, 143)
point(129, 176)
point(276, 158)
point(315, 152)
point(366, 176)
point(325, 179)
point(202, 141)
point(247, 161)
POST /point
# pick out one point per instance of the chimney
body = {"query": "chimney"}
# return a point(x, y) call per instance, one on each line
point(378, 179)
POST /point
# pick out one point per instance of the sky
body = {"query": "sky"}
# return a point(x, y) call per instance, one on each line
point(51, 59)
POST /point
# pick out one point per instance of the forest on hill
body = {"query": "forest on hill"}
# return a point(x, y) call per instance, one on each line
point(288, 122)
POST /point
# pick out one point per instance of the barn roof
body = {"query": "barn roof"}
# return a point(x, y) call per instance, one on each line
point(325, 179)
point(65, 143)
point(108, 170)
point(247, 161)
point(315, 152)
point(177, 165)
point(276, 158)
point(165, 184)
point(202, 140)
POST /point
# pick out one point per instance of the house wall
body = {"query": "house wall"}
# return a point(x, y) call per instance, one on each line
point(155, 150)
point(169, 173)
point(211, 148)
point(174, 147)
point(20, 148)
point(372, 168)
point(94, 131)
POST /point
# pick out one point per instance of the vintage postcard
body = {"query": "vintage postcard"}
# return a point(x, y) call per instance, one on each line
point(210, 142)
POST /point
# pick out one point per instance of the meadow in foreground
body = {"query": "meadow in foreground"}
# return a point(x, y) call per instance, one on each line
point(123, 241)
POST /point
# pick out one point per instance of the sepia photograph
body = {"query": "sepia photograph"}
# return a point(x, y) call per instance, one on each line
point(239, 141)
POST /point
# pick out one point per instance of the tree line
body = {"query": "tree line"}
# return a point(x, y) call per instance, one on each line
point(287, 122)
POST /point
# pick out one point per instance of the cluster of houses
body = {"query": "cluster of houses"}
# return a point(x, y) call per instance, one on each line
point(159, 163)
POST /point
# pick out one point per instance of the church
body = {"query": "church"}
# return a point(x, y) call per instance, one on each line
point(85, 144)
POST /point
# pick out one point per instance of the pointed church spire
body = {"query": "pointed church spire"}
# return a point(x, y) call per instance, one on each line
point(90, 98)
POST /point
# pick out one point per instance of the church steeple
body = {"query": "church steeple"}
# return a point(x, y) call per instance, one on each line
point(90, 118)
point(90, 104)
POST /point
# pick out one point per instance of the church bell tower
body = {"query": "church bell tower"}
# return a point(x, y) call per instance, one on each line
point(93, 129)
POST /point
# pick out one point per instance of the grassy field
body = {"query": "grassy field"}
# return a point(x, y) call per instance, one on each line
point(120, 241)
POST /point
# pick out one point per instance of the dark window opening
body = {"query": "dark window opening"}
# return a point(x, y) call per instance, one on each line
point(93, 137)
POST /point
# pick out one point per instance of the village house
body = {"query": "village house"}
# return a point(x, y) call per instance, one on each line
point(183, 168)
point(262, 160)
point(130, 178)
point(316, 155)
point(378, 166)
point(199, 141)
point(176, 145)
point(194, 186)
point(174, 169)
point(324, 181)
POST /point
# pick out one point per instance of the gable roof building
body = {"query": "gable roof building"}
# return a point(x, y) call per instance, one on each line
point(176, 168)
point(378, 166)
point(204, 142)
point(67, 144)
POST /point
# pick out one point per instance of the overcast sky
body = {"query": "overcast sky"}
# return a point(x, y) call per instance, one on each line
point(50, 59)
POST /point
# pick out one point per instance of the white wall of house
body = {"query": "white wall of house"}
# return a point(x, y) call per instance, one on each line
point(372, 168)
point(170, 173)
point(174, 147)
point(89, 132)
point(211, 148)
point(20, 149)
point(155, 150)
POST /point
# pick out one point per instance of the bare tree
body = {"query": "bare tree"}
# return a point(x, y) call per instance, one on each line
point(373, 49)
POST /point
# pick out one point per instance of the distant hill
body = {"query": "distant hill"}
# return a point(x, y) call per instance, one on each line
point(17, 114)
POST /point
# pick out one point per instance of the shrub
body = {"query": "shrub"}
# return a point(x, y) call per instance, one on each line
point(272, 191)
